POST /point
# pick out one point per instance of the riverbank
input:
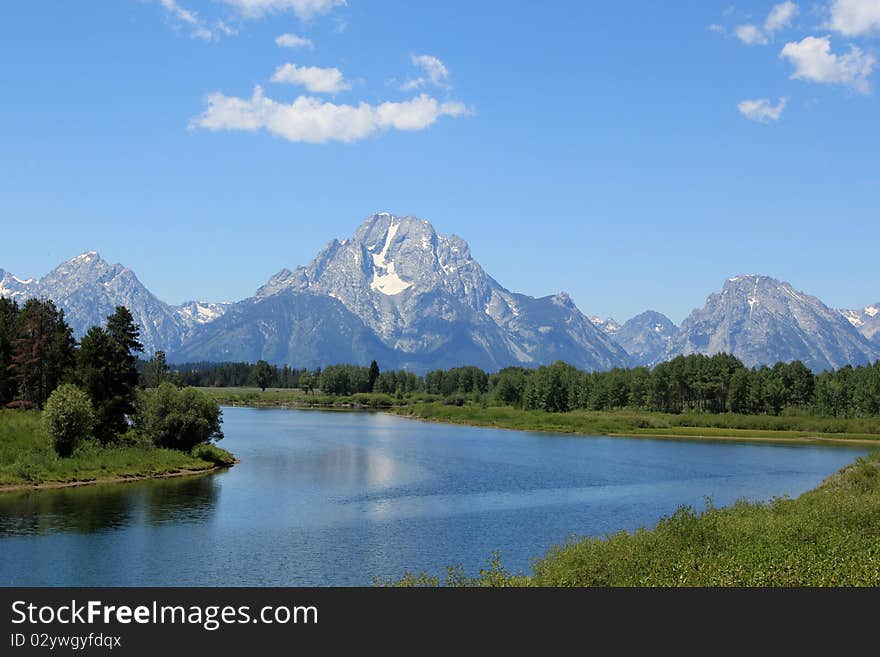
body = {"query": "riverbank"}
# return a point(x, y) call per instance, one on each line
point(804, 429)
point(829, 536)
point(28, 462)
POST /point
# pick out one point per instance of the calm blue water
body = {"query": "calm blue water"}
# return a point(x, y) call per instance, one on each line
point(324, 498)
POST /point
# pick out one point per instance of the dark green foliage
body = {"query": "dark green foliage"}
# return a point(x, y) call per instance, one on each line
point(107, 370)
point(509, 386)
point(156, 371)
point(374, 373)
point(213, 454)
point(178, 419)
point(464, 380)
point(9, 313)
point(42, 350)
point(686, 384)
point(345, 380)
point(68, 418)
point(263, 374)
point(234, 375)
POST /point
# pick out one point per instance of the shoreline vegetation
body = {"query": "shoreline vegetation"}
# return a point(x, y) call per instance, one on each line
point(28, 461)
point(80, 411)
point(829, 536)
point(799, 428)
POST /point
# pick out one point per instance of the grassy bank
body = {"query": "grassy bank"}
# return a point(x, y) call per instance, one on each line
point(28, 459)
point(623, 423)
point(644, 423)
point(827, 537)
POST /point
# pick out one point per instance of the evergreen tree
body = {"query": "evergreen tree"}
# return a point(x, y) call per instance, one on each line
point(9, 312)
point(107, 369)
point(42, 352)
point(374, 374)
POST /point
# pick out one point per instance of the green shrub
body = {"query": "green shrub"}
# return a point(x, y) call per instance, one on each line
point(178, 419)
point(68, 418)
point(213, 454)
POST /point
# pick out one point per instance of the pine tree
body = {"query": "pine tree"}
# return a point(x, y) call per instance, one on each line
point(9, 312)
point(374, 374)
point(43, 351)
point(107, 369)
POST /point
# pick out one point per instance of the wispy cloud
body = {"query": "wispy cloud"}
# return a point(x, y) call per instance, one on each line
point(200, 29)
point(304, 9)
point(779, 18)
point(315, 79)
point(291, 40)
point(855, 17)
point(751, 35)
point(433, 70)
point(313, 120)
point(814, 61)
point(762, 110)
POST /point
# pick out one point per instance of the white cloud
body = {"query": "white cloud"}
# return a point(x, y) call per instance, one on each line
point(780, 17)
point(315, 79)
point(718, 29)
point(855, 17)
point(762, 110)
point(290, 40)
point(814, 61)
point(435, 72)
point(200, 28)
point(315, 121)
point(304, 9)
point(751, 35)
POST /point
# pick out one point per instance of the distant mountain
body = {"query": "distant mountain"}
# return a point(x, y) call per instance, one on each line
point(761, 321)
point(608, 326)
point(866, 321)
point(88, 289)
point(426, 300)
point(409, 297)
point(305, 330)
point(647, 338)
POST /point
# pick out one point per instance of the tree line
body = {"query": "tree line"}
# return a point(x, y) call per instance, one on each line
point(693, 383)
point(93, 390)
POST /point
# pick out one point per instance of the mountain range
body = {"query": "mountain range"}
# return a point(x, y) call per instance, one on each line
point(402, 293)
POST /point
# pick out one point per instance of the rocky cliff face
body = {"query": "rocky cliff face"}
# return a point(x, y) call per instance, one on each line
point(761, 321)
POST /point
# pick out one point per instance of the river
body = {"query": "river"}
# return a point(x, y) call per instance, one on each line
point(340, 498)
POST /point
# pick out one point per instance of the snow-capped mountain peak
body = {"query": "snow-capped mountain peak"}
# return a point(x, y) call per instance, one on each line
point(423, 292)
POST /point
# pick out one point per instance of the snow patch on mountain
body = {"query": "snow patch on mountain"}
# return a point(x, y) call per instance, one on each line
point(385, 279)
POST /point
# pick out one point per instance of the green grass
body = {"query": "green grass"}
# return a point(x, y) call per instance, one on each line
point(827, 537)
point(27, 457)
point(644, 423)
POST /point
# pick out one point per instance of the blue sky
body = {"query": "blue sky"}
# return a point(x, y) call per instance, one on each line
point(633, 154)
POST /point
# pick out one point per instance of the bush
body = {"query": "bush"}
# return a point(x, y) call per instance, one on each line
point(68, 418)
point(178, 419)
point(213, 454)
